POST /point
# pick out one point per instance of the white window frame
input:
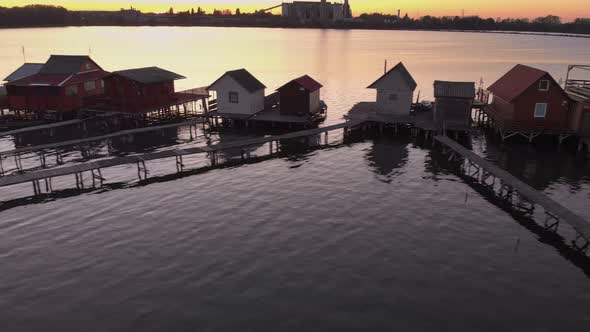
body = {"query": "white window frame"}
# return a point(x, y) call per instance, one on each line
point(537, 115)
point(232, 100)
point(541, 84)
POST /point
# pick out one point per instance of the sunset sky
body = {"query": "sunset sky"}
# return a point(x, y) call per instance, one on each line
point(567, 9)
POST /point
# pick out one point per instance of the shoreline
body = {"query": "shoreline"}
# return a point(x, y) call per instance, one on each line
point(507, 32)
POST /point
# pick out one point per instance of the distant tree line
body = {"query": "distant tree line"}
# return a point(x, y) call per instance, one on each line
point(34, 15)
point(43, 15)
point(549, 23)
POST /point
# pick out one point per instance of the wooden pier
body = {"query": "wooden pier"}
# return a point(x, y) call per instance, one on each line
point(419, 122)
point(94, 167)
point(43, 153)
point(518, 193)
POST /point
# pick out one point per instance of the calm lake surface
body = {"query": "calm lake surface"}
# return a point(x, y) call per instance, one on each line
point(370, 235)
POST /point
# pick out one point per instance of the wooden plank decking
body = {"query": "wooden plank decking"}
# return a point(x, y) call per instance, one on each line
point(40, 127)
point(88, 166)
point(97, 138)
point(578, 223)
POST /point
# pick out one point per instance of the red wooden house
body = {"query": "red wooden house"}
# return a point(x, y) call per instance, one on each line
point(60, 85)
point(300, 96)
point(529, 99)
point(139, 90)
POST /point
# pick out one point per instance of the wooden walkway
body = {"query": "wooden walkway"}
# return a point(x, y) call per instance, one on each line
point(579, 224)
point(96, 165)
point(41, 127)
point(97, 138)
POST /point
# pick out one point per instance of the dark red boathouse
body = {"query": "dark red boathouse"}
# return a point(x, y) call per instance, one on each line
point(300, 96)
point(142, 90)
point(59, 86)
point(529, 99)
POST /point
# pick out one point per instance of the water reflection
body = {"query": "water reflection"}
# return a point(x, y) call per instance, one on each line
point(144, 142)
point(42, 137)
point(540, 165)
point(387, 156)
point(228, 136)
point(561, 241)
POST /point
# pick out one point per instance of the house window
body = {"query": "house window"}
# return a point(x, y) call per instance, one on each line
point(101, 83)
point(540, 110)
point(233, 97)
point(393, 97)
point(544, 85)
point(90, 86)
point(72, 90)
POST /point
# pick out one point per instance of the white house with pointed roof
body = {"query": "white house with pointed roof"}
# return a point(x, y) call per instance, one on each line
point(395, 91)
point(238, 92)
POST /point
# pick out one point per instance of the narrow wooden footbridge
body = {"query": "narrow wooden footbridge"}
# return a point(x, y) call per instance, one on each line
point(94, 167)
point(518, 193)
point(43, 149)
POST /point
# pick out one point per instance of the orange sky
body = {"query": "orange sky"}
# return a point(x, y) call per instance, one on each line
point(567, 9)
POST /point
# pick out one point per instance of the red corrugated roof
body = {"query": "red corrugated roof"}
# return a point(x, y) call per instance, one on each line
point(306, 82)
point(58, 80)
point(40, 79)
point(516, 81)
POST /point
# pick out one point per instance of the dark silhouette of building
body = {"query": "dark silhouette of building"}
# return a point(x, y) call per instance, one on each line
point(323, 12)
point(346, 11)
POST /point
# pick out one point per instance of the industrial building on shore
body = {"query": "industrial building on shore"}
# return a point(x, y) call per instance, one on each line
point(322, 12)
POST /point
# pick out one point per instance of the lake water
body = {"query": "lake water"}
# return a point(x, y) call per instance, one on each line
point(369, 235)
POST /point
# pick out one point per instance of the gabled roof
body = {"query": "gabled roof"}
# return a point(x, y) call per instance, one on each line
point(65, 64)
point(40, 80)
point(243, 78)
point(25, 70)
point(401, 69)
point(454, 89)
point(305, 82)
point(58, 80)
point(149, 75)
point(516, 81)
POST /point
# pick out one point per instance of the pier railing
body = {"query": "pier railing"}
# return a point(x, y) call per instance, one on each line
point(577, 84)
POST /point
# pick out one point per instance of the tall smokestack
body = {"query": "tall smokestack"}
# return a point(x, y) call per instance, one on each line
point(398, 13)
point(346, 11)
